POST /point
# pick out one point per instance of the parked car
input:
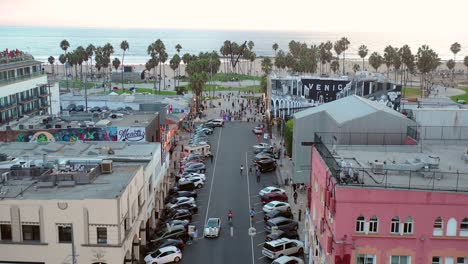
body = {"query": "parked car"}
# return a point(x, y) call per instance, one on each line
point(186, 186)
point(195, 168)
point(266, 165)
point(178, 214)
point(258, 130)
point(164, 255)
point(288, 260)
point(275, 213)
point(262, 146)
point(212, 227)
point(191, 174)
point(186, 164)
point(271, 189)
point(207, 125)
point(291, 234)
point(192, 208)
point(199, 182)
point(80, 108)
point(175, 194)
point(194, 157)
point(282, 247)
point(180, 200)
point(177, 232)
point(205, 130)
point(153, 246)
point(263, 156)
point(95, 109)
point(281, 223)
point(269, 197)
point(174, 222)
point(216, 122)
point(71, 107)
point(275, 205)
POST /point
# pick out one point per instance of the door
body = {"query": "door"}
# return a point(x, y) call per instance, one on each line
point(448, 260)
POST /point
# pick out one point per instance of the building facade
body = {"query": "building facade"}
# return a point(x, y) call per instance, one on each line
point(95, 205)
point(24, 89)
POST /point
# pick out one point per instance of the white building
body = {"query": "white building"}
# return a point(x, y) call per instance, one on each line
point(95, 201)
point(24, 89)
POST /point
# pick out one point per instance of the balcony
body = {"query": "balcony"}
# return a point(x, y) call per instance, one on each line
point(17, 79)
point(4, 108)
point(28, 100)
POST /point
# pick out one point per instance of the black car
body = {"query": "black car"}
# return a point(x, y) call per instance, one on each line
point(291, 234)
point(208, 125)
point(176, 232)
point(267, 165)
point(71, 107)
point(281, 223)
point(179, 214)
point(179, 243)
point(186, 186)
point(194, 157)
point(80, 108)
point(176, 194)
point(263, 156)
point(95, 109)
point(276, 213)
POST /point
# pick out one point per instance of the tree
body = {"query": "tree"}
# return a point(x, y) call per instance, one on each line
point(288, 136)
point(356, 67)
point(451, 65)
point(396, 62)
point(174, 64)
point(427, 61)
point(107, 50)
point(124, 47)
point(344, 45)
point(275, 47)
point(363, 53)
point(338, 50)
point(178, 47)
point(407, 58)
point(163, 59)
point(335, 66)
point(465, 62)
point(90, 51)
point(64, 45)
point(375, 60)
point(388, 57)
point(234, 51)
point(116, 63)
point(266, 65)
point(280, 60)
point(51, 60)
point(455, 48)
point(153, 61)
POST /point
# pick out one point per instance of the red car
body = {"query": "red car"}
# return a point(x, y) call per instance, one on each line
point(274, 196)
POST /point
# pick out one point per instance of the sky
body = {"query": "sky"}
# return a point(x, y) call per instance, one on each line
point(296, 15)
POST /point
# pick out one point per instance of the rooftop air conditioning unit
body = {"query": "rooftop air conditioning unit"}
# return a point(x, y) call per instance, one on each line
point(378, 167)
point(106, 167)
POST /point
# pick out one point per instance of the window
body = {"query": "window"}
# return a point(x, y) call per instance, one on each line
point(452, 227)
point(373, 224)
point(461, 260)
point(395, 228)
point(5, 232)
point(400, 260)
point(464, 227)
point(101, 235)
point(365, 259)
point(438, 227)
point(408, 226)
point(435, 260)
point(65, 234)
point(31, 233)
point(360, 224)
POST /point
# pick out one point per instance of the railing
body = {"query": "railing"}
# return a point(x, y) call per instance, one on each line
point(16, 58)
point(438, 132)
point(20, 78)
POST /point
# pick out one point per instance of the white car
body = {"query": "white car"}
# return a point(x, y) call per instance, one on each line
point(212, 227)
point(199, 182)
point(276, 206)
point(288, 260)
point(282, 247)
point(181, 200)
point(262, 147)
point(192, 174)
point(271, 189)
point(164, 255)
point(258, 130)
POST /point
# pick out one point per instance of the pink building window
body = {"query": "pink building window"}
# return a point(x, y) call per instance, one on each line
point(395, 227)
point(373, 224)
point(408, 226)
point(438, 227)
point(360, 222)
point(464, 227)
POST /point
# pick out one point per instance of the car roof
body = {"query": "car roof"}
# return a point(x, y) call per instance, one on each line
point(279, 241)
point(276, 202)
point(278, 219)
point(168, 248)
point(213, 219)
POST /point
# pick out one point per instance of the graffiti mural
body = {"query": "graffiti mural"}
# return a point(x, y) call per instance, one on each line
point(69, 135)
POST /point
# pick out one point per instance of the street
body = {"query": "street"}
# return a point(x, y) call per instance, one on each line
point(226, 189)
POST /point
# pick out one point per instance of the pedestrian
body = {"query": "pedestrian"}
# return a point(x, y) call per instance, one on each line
point(295, 197)
point(258, 176)
point(252, 214)
point(211, 157)
point(294, 187)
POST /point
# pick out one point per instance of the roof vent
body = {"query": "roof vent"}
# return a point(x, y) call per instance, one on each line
point(106, 167)
point(377, 167)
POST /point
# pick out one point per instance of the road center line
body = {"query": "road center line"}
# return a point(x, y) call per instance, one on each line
point(248, 198)
point(213, 178)
point(232, 231)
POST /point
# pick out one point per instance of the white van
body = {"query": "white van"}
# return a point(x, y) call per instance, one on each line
point(204, 150)
point(282, 247)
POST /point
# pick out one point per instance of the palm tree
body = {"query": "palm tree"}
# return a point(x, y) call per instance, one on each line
point(64, 45)
point(90, 51)
point(396, 62)
point(455, 48)
point(174, 64)
point(363, 53)
point(275, 48)
point(427, 61)
point(335, 66)
point(356, 67)
point(163, 59)
point(344, 43)
point(266, 65)
point(123, 46)
point(388, 57)
point(108, 50)
point(81, 56)
point(451, 65)
point(51, 60)
point(116, 63)
point(178, 47)
point(338, 50)
point(375, 60)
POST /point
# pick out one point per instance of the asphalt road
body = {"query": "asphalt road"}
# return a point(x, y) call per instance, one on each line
point(226, 189)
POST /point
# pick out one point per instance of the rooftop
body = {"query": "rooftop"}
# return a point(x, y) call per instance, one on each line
point(433, 166)
point(71, 170)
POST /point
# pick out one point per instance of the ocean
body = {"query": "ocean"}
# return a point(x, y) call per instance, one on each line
point(43, 42)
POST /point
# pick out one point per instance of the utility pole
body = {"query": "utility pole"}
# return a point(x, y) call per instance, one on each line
point(73, 245)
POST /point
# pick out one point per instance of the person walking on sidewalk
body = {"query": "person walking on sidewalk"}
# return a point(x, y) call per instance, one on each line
point(252, 214)
point(257, 171)
point(295, 197)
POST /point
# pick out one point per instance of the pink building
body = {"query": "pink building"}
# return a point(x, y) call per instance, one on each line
point(388, 204)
